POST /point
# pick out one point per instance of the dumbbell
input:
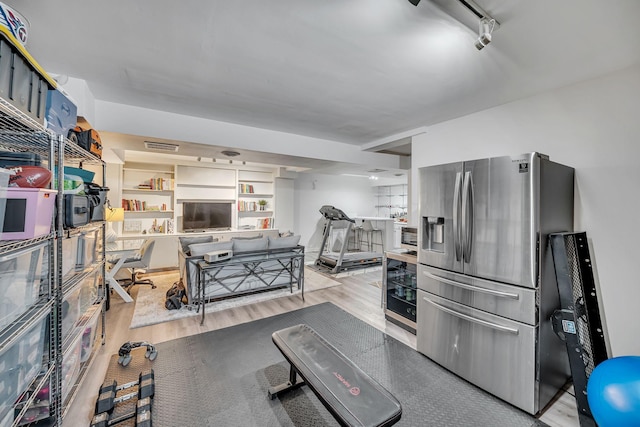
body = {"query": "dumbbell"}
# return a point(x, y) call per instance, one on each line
point(100, 420)
point(146, 384)
point(107, 395)
point(143, 412)
point(106, 398)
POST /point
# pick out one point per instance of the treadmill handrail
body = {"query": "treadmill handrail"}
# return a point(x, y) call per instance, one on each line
point(334, 214)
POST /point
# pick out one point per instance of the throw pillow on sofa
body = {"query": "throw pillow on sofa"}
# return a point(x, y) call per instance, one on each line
point(202, 248)
point(186, 241)
point(242, 245)
point(283, 242)
point(257, 236)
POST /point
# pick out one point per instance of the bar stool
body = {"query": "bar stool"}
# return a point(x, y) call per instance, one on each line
point(369, 232)
point(355, 238)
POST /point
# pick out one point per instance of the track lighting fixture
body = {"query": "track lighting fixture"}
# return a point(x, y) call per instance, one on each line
point(486, 27)
point(414, 2)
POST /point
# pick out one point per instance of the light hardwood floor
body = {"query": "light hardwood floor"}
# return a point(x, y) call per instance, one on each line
point(355, 295)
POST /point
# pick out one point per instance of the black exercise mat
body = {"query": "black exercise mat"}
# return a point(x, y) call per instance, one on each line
point(221, 378)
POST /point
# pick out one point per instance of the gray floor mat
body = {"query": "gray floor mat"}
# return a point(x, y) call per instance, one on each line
point(221, 378)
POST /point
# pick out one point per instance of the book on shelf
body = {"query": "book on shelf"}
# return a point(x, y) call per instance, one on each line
point(264, 223)
point(157, 184)
point(244, 206)
point(162, 226)
point(141, 206)
point(246, 188)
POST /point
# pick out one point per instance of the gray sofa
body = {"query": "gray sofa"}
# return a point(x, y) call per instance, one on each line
point(258, 264)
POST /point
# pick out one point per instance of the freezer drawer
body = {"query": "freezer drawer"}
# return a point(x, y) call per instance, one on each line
point(513, 302)
point(494, 353)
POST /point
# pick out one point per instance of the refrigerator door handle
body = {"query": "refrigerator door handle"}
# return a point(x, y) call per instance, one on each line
point(492, 292)
point(457, 196)
point(472, 319)
point(467, 216)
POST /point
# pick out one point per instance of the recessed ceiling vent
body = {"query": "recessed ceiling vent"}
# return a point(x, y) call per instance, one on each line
point(161, 146)
point(230, 153)
point(376, 170)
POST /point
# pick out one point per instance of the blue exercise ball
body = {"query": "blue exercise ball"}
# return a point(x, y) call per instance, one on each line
point(613, 392)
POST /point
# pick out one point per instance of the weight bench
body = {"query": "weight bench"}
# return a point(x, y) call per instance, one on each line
point(352, 397)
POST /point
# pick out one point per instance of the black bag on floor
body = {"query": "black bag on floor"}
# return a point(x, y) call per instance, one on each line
point(176, 296)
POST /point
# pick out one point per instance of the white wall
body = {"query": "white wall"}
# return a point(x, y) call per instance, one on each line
point(595, 128)
point(285, 201)
point(353, 195)
point(83, 97)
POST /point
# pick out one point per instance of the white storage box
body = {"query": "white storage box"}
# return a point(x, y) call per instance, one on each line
point(77, 302)
point(21, 274)
point(19, 365)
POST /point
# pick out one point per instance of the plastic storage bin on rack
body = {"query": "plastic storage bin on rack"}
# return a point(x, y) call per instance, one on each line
point(90, 320)
point(11, 158)
point(88, 248)
point(80, 250)
point(22, 82)
point(70, 256)
point(77, 302)
point(62, 112)
point(29, 213)
point(19, 365)
point(21, 274)
point(71, 366)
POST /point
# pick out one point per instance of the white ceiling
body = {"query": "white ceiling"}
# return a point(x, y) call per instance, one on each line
point(352, 71)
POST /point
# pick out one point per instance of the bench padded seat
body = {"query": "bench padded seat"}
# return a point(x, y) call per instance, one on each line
point(354, 398)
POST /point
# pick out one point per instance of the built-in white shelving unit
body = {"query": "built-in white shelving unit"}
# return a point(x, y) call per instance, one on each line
point(391, 200)
point(148, 197)
point(255, 199)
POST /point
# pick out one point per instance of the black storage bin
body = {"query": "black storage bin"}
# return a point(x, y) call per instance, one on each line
point(97, 199)
point(77, 210)
point(10, 158)
point(21, 84)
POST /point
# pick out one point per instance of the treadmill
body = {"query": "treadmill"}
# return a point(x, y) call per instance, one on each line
point(343, 260)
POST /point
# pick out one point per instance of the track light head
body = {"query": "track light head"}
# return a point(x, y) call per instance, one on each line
point(414, 2)
point(483, 40)
point(485, 29)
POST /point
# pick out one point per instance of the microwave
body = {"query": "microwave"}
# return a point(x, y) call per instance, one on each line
point(409, 238)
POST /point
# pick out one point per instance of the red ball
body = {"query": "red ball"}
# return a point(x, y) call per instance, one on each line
point(29, 177)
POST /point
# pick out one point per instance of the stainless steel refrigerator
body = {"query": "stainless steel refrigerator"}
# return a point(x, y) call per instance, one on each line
point(486, 283)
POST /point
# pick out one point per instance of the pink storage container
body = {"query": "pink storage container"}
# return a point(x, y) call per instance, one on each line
point(28, 213)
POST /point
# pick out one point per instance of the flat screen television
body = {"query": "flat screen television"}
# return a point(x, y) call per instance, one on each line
point(201, 216)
